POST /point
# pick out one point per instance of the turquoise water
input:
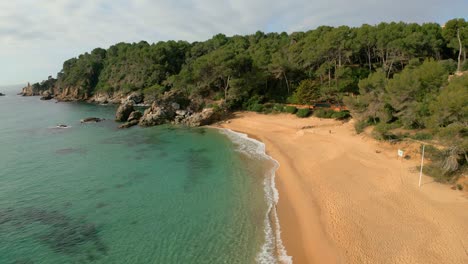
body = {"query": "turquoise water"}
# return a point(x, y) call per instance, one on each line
point(94, 194)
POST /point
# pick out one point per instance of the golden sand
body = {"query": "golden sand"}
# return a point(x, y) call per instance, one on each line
point(346, 198)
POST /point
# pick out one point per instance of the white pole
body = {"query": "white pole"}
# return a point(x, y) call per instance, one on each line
point(422, 163)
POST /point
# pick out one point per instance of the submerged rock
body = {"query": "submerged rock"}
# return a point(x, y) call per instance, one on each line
point(92, 120)
point(124, 111)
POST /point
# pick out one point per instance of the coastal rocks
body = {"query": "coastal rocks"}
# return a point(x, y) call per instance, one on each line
point(124, 111)
point(205, 117)
point(136, 97)
point(155, 115)
point(2, 94)
point(46, 95)
point(31, 90)
point(91, 120)
point(133, 119)
point(101, 98)
point(129, 124)
point(135, 115)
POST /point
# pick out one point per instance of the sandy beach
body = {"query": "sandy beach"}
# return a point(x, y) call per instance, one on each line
point(346, 198)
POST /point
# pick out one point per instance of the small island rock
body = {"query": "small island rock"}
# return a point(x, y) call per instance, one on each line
point(91, 120)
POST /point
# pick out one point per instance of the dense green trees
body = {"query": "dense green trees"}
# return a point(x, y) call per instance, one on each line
point(390, 74)
point(272, 66)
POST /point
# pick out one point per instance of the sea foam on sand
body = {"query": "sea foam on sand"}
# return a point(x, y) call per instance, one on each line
point(273, 250)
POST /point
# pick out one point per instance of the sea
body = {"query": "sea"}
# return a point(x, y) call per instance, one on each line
point(93, 193)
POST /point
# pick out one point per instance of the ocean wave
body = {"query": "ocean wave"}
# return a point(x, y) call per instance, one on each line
point(273, 250)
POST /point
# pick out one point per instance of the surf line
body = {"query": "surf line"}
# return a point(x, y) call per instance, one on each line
point(273, 250)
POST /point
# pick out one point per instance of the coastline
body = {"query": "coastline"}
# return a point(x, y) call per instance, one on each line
point(341, 201)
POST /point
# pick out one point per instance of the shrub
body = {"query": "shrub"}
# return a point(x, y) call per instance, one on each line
point(252, 102)
point(382, 131)
point(290, 109)
point(361, 125)
point(341, 115)
point(324, 113)
point(256, 107)
point(304, 112)
point(422, 136)
point(278, 108)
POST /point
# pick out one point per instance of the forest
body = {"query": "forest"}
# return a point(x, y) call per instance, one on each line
point(394, 76)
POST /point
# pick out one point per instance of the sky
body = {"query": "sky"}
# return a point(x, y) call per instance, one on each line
point(37, 36)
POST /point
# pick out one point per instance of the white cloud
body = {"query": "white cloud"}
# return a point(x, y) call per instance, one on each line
point(36, 36)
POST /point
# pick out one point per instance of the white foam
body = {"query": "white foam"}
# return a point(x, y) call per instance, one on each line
point(273, 250)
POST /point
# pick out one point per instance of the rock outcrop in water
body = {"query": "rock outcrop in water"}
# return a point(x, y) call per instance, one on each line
point(2, 94)
point(133, 119)
point(46, 95)
point(124, 111)
point(91, 120)
point(177, 110)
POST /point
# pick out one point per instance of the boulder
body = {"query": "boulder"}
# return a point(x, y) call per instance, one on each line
point(154, 116)
point(124, 111)
point(181, 112)
point(101, 98)
point(2, 94)
point(128, 124)
point(205, 117)
point(175, 106)
point(46, 95)
point(91, 120)
point(136, 97)
point(135, 115)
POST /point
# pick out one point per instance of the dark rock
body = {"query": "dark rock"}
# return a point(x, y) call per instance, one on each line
point(92, 119)
point(2, 94)
point(61, 126)
point(124, 111)
point(135, 115)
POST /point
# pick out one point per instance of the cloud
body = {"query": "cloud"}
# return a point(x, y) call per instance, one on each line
point(36, 36)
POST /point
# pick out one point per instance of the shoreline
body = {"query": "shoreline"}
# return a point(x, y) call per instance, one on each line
point(341, 201)
point(273, 249)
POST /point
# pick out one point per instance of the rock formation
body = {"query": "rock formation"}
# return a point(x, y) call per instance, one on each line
point(124, 111)
point(91, 120)
point(46, 95)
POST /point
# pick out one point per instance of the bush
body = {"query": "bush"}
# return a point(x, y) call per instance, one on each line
point(324, 113)
point(290, 109)
point(304, 112)
point(361, 125)
point(256, 108)
point(422, 136)
point(382, 131)
point(278, 108)
point(341, 115)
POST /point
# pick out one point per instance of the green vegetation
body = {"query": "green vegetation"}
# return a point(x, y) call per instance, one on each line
point(390, 75)
point(304, 112)
point(290, 109)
